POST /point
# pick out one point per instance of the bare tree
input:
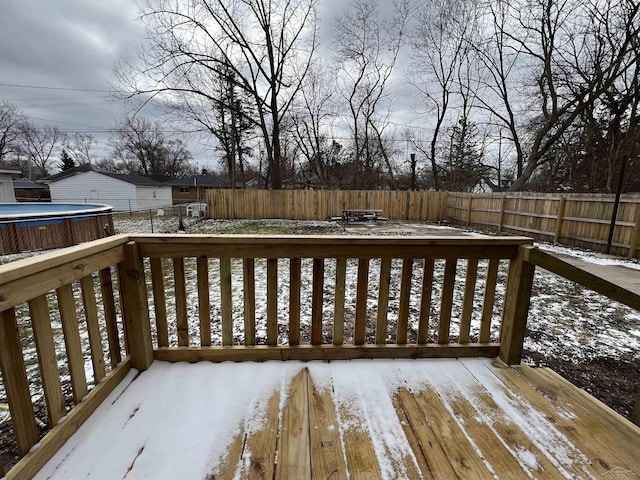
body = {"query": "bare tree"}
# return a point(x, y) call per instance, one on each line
point(268, 44)
point(11, 121)
point(563, 54)
point(79, 147)
point(40, 144)
point(367, 48)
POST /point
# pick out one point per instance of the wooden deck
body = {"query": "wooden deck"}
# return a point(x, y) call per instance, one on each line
point(473, 418)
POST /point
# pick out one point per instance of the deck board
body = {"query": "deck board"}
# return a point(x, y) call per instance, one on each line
point(444, 418)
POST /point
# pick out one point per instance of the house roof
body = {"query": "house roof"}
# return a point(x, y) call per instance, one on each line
point(8, 169)
point(23, 183)
point(138, 180)
point(203, 180)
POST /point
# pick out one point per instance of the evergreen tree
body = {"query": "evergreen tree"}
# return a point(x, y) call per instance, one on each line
point(66, 162)
point(465, 156)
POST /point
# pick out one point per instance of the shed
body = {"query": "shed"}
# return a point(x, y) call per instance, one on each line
point(6, 187)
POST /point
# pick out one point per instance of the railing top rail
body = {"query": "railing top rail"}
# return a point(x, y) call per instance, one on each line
point(28, 266)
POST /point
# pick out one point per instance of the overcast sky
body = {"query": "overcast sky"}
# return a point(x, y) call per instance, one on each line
point(69, 49)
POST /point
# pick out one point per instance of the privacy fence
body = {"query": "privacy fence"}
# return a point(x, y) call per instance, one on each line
point(581, 220)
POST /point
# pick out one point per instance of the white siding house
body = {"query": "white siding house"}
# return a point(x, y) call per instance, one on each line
point(122, 192)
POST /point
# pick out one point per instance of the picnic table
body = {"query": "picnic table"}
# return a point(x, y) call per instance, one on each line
point(352, 215)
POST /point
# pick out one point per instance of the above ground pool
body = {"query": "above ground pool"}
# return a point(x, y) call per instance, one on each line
point(26, 227)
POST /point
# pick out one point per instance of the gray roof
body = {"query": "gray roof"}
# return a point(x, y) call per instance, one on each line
point(23, 183)
point(138, 180)
point(204, 180)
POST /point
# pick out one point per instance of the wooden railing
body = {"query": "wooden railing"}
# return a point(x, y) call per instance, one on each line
point(119, 303)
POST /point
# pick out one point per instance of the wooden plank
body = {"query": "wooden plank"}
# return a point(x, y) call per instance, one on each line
point(180, 290)
point(467, 304)
point(159, 302)
point(53, 441)
point(560, 215)
point(93, 327)
point(272, 301)
point(135, 308)
point(593, 282)
point(405, 294)
point(383, 301)
point(503, 202)
point(459, 452)
point(323, 352)
point(327, 458)
point(293, 442)
point(425, 301)
point(69, 320)
point(24, 288)
point(361, 302)
point(489, 300)
point(447, 300)
point(261, 444)
point(429, 447)
point(249, 281)
point(635, 234)
point(516, 309)
point(110, 316)
point(47, 359)
point(338, 312)
point(362, 462)
point(317, 300)
point(295, 275)
point(14, 377)
point(204, 303)
point(226, 306)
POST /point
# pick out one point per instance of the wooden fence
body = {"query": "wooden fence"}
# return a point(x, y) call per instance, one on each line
point(322, 204)
point(575, 219)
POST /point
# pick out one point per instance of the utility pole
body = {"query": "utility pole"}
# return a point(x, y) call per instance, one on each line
point(413, 171)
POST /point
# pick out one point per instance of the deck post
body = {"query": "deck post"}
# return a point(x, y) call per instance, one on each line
point(135, 308)
point(516, 308)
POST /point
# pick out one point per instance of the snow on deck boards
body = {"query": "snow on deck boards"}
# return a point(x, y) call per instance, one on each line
point(472, 418)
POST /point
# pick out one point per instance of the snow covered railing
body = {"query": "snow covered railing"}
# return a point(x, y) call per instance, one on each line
point(60, 339)
point(314, 297)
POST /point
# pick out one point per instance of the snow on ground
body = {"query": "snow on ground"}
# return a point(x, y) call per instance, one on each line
point(589, 256)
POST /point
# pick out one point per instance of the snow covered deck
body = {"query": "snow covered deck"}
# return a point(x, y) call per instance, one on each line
point(434, 418)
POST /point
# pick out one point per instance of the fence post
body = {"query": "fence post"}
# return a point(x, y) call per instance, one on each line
point(516, 308)
point(503, 201)
point(556, 236)
point(469, 210)
point(635, 235)
point(135, 307)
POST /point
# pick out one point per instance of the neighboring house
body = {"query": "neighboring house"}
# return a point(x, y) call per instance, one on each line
point(88, 184)
point(6, 185)
point(28, 191)
point(192, 188)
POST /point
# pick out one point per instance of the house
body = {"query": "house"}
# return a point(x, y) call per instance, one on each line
point(190, 188)
point(87, 183)
point(6, 187)
point(27, 191)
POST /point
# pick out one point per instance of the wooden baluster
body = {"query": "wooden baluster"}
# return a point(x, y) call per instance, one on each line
point(425, 301)
point(135, 308)
point(447, 300)
point(405, 294)
point(226, 305)
point(14, 376)
point(489, 300)
point(43, 335)
point(359, 333)
point(272, 301)
point(204, 304)
point(295, 275)
point(108, 301)
point(159, 302)
point(249, 279)
point(338, 308)
point(69, 318)
point(317, 301)
point(383, 301)
point(467, 305)
point(93, 327)
point(181, 302)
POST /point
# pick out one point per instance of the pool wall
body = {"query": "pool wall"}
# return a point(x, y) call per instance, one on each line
point(34, 227)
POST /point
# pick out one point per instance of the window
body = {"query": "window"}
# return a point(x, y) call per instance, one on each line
point(184, 189)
